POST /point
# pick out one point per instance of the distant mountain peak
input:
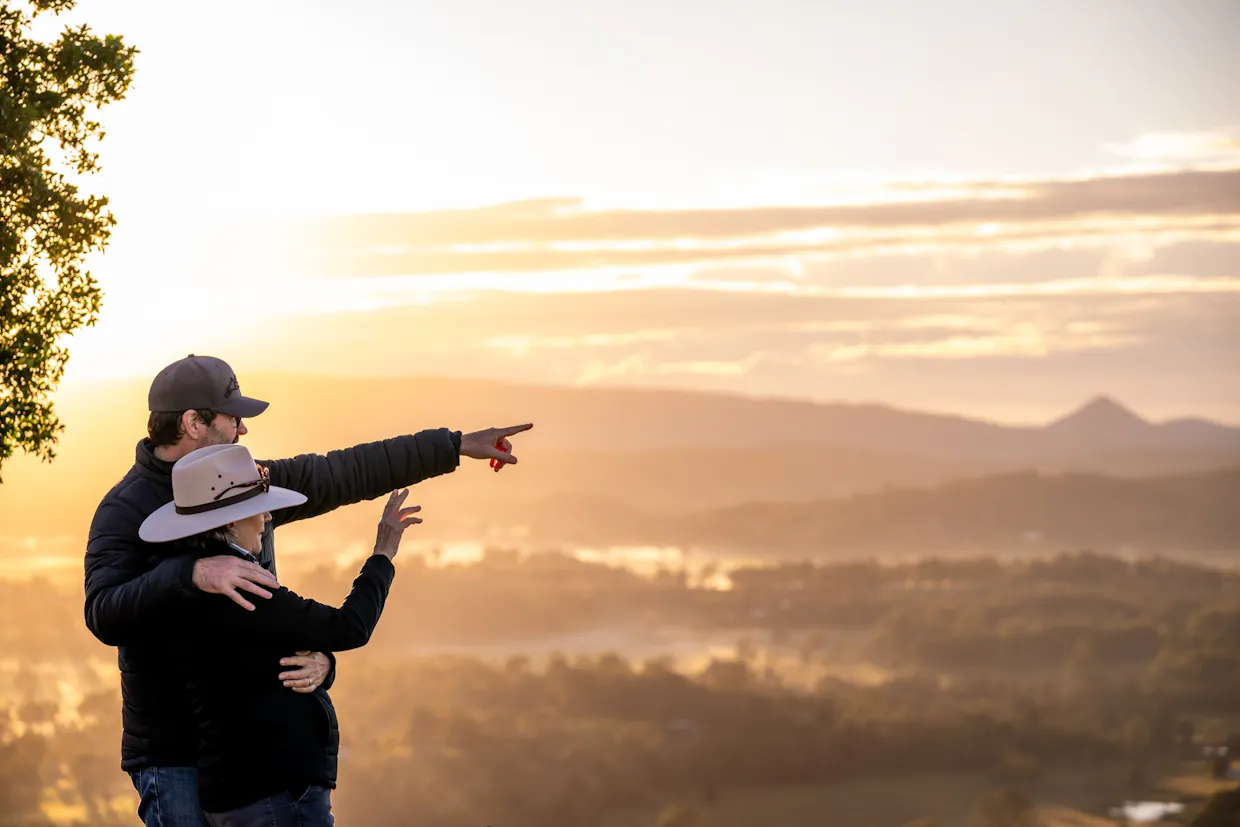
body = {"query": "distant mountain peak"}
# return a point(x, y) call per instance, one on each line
point(1102, 413)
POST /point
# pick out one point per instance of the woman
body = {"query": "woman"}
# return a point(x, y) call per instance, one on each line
point(267, 755)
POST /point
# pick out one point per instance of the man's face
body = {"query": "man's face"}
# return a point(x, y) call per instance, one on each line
point(225, 429)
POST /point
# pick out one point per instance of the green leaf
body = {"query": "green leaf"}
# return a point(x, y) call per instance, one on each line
point(48, 90)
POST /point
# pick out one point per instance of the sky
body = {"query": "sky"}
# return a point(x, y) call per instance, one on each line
point(996, 209)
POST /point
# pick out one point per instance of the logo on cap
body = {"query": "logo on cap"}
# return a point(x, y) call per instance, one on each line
point(232, 386)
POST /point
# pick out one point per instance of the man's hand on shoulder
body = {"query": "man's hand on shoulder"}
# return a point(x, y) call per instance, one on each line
point(229, 575)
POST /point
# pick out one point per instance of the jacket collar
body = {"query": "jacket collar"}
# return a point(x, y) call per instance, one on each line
point(215, 548)
point(243, 553)
point(151, 466)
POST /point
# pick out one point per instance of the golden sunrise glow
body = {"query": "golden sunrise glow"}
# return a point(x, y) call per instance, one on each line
point(447, 198)
point(881, 366)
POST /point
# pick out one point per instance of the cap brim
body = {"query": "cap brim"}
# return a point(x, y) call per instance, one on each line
point(165, 524)
point(242, 406)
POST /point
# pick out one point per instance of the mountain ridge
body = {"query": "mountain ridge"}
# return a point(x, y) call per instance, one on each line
point(664, 451)
point(644, 419)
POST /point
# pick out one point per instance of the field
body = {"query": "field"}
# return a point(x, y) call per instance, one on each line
point(1066, 797)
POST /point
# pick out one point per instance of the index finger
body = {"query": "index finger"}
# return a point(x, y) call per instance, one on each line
point(514, 429)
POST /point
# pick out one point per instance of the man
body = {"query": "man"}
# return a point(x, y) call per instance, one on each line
point(196, 402)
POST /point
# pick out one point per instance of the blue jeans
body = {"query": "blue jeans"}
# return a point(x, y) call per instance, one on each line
point(169, 797)
point(312, 809)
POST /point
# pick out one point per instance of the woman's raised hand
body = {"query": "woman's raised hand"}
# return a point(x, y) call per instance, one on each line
point(394, 522)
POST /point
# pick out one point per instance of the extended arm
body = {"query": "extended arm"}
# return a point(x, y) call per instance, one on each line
point(298, 623)
point(363, 472)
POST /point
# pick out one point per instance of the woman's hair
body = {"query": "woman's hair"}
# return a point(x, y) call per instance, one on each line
point(200, 541)
point(164, 427)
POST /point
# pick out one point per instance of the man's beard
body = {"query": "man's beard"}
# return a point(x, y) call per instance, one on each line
point(214, 437)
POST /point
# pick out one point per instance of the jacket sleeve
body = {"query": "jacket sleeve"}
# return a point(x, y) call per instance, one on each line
point(295, 622)
point(124, 594)
point(362, 472)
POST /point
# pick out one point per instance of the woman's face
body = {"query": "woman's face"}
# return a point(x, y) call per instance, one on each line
point(249, 532)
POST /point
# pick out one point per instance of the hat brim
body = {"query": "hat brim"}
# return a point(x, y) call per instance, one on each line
point(165, 524)
point(242, 406)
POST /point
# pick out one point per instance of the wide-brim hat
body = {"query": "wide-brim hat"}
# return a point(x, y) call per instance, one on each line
point(212, 487)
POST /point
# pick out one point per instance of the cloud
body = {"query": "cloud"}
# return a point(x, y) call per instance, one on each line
point(1209, 192)
point(1125, 282)
point(562, 234)
point(1172, 351)
point(639, 366)
point(684, 327)
point(522, 345)
point(326, 297)
point(1179, 148)
point(1119, 285)
point(528, 258)
point(1023, 340)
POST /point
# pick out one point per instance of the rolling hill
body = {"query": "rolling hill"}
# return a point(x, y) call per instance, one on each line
point(659, 454)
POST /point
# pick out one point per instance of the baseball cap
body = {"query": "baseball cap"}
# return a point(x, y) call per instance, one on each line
point(197, 382)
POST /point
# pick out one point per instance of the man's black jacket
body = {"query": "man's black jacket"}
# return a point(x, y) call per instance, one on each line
point(257, 738)
point(131, 584)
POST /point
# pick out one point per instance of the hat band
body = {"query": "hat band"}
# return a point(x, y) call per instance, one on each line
point(212, 506)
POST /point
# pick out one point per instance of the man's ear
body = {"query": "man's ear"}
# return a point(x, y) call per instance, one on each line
point(191, 425)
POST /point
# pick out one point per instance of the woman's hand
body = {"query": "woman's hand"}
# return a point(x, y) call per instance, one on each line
point(395, 521)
